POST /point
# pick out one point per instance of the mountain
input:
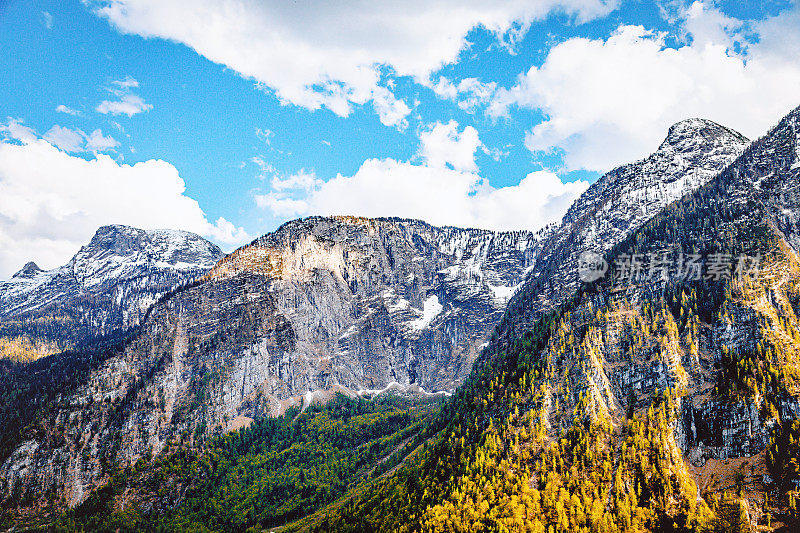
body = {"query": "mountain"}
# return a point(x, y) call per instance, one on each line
point(107, 287)
point(334, 304)
point(371, 302)
point(694, 151)
point(320, 306)
point(652, 400)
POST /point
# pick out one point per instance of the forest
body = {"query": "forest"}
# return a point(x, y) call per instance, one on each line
point(274, 471)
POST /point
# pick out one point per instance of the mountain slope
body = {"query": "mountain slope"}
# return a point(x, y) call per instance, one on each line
point(657, 402)
point(107, 287)
point(694, 151)
point(322, 305)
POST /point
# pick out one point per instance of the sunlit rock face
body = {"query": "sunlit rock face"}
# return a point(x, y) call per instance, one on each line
point(376, 301)
point(319, 306)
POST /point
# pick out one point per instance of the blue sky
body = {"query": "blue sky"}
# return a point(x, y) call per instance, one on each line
point(244, 114)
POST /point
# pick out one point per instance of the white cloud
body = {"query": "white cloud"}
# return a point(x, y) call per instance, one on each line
point(126, 84)
point(304, 181)
point(443, 189)
point(610, 101)
point(68, 110)
point(48, 20)
point(333, 54)
point(443, 145)
point(283, 207)
point(96, 142)
point(14, 130)
point(70, 140)
point(65, 138)
point(222, 230)
point(129, 104)
point(52, 202)
point(391, 111)
point(468, 94)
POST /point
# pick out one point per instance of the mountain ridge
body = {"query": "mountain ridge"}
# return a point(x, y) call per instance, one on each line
point(619, 202)
point(105, 288)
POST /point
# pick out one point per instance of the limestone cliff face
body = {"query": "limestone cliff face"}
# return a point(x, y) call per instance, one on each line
point(373, 302)
point(321, 305)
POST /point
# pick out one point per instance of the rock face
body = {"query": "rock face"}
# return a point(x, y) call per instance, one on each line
point(107, 286)
point(322, 304)
point(371, 302)
point(618, 203)
point(728, 346)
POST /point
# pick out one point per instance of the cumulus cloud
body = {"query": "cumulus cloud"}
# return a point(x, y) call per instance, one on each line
point(52, 202)
point(68, 110)
point(443, 146)
point(126, 103)
point(608, 101)
point(333, 54)
point(443, 188)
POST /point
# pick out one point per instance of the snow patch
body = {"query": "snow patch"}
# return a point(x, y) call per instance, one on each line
point(395, 386)
point(375, 392)
point(503, 292)
point(431, 309)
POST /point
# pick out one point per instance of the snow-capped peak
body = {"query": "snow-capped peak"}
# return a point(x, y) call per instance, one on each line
point(111, 281)
point(30, 270)
point(698, 134)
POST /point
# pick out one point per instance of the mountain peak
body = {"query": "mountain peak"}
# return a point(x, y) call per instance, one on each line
point(114, 236)
point(165, 243)
point(687, 134)
point(28, 271)
point(110, 229)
